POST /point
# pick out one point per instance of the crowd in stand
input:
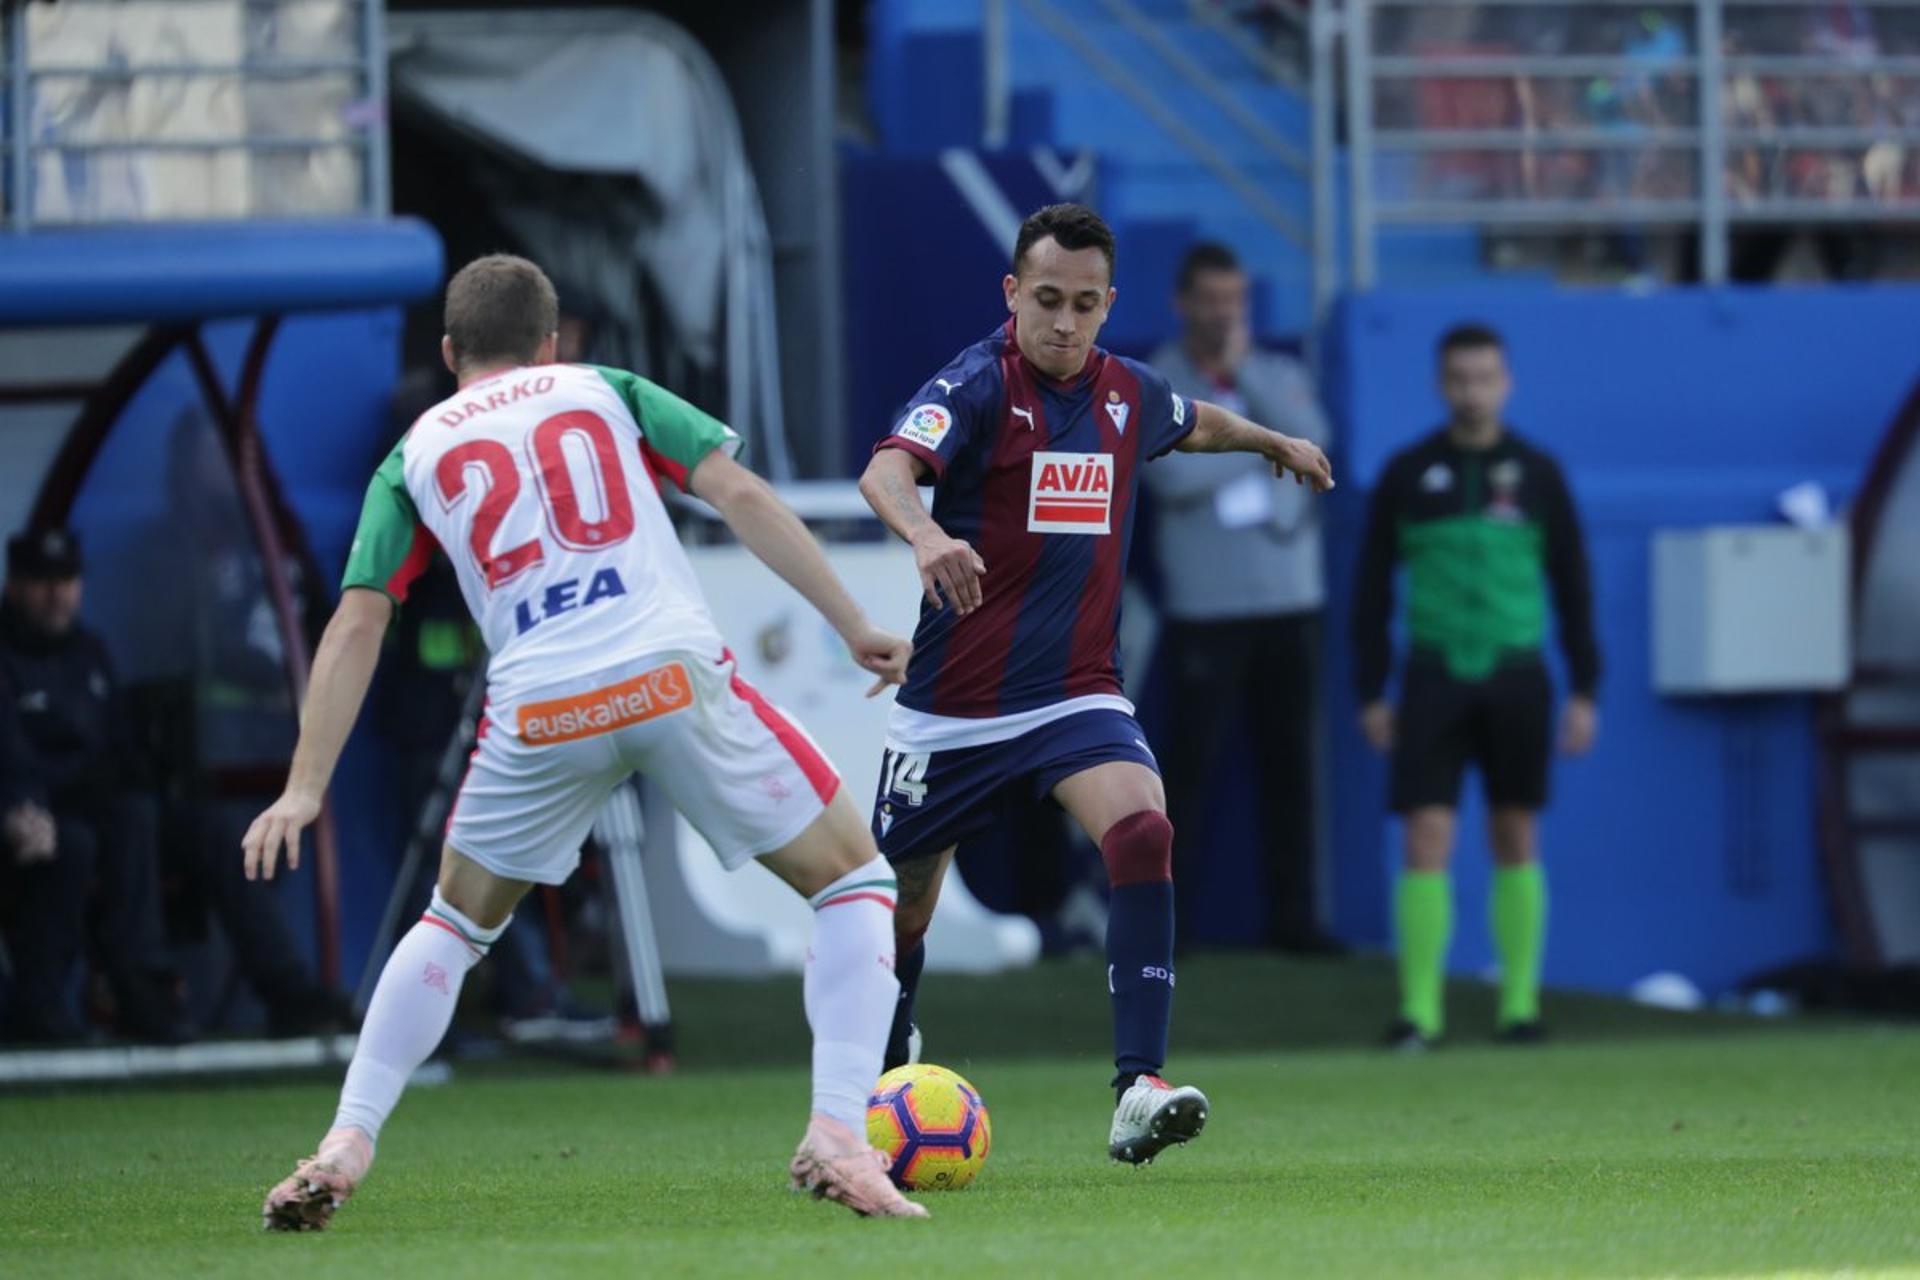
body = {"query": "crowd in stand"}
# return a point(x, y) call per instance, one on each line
point(1657, 91)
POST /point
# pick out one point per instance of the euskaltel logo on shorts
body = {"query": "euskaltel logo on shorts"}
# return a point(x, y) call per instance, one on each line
point(647, 696)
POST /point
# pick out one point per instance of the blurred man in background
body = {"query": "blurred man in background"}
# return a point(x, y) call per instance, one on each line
point(101, 864)
point(42, 899)
point(1485, 525)
point(1243, 607)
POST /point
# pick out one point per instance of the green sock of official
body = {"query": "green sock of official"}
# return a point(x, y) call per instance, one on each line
point(1519, 914)
point(1423, 914)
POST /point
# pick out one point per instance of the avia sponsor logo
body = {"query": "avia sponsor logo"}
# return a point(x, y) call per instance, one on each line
point(498, 398)
point(647, 696)
point(1070, 493)
point(564, 597)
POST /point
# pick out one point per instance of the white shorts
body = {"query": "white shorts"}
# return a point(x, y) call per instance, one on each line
point(742, 772)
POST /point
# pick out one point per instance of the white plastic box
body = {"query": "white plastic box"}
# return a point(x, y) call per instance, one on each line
point(1750, 609)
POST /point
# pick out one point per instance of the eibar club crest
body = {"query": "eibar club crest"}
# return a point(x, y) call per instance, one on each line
point(1117, 409)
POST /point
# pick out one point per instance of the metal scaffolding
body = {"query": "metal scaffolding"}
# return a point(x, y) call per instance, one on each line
point(150, 111)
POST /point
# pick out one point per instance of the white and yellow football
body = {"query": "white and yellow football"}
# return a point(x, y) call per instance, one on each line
point(933, 1125)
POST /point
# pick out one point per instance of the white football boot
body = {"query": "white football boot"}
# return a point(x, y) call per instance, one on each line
point(1152, 1116)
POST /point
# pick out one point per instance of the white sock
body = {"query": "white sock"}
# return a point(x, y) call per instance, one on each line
point(851, 990)
point(411, 1011)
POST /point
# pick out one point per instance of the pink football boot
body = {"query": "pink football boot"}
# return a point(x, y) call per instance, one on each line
point(320, 1184)
point(836, 1164)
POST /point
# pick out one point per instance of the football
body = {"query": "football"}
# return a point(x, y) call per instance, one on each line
point(933, 1124)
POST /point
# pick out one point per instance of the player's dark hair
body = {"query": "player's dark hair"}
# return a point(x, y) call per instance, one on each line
point(500, 307)
point(1072, 226)
point(1208, 255)
point(1471, 336)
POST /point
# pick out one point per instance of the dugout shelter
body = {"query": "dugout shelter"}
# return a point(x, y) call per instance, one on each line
point(203, 403)
point(1870, 731)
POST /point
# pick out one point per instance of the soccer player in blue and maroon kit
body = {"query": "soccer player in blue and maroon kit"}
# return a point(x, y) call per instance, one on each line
point(1033, 439)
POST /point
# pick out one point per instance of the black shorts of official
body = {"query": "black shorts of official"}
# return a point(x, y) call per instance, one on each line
point(1503, 724)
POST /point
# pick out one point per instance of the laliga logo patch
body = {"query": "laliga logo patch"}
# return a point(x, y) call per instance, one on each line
point(1118, 411)
point(926, 424)
point(1070, 493)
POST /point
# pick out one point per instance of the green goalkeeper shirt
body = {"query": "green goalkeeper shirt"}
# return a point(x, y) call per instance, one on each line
point(1484, 535)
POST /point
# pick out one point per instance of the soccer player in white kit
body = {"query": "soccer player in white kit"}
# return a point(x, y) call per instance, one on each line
point(540, 481)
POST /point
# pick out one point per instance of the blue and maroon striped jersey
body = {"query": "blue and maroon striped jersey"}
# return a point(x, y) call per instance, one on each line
point(1040, 476)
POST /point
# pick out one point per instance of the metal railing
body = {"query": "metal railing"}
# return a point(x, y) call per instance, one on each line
point(147, 110)
point(1518, 114)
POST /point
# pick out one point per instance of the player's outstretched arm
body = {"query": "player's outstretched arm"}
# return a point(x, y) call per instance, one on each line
point(948, 566)
point(342, 669)
point(766, 526)
point(1217, 430)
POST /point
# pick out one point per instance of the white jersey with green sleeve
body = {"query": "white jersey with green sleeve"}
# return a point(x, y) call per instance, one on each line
point(542, 484)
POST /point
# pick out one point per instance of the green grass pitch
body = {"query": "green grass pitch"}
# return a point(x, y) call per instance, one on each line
point(1635, 1145)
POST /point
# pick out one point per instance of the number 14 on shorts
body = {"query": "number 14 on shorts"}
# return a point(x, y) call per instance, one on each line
point(906, 775)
